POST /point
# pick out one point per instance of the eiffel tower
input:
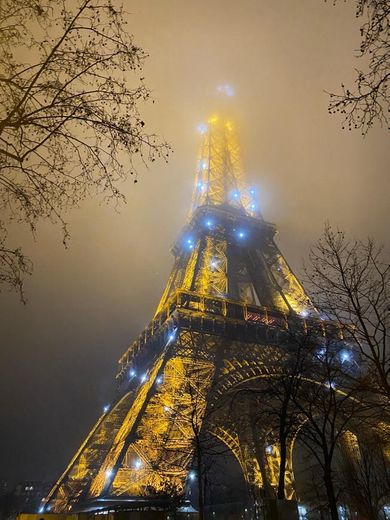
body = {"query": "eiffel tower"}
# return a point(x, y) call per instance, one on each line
point(228, 300)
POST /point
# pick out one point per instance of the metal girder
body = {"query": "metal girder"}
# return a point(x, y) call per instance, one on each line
point(219, 174)
point(229, 304)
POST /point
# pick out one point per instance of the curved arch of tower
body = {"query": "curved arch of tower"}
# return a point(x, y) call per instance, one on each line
point(228, 308)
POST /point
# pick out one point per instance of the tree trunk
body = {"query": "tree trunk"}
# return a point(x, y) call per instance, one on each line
point(200, 485)
point(330, 493)
point(260, 456)
point(282, 468)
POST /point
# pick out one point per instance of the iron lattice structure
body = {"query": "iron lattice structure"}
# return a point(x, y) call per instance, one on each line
point(229, 305)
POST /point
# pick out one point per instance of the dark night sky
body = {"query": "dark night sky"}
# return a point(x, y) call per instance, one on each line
point(59, 352)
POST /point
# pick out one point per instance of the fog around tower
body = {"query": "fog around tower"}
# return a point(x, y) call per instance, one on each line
point(86, 303)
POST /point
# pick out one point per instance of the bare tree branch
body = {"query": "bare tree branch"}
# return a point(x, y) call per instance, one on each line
point(350, 283)
point(70, 125)
point(369, 101)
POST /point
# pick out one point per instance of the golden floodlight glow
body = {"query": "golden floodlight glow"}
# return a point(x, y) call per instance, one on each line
point(213, 119)
point(228, 275)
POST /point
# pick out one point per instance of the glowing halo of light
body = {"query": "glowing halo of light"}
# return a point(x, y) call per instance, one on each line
point(345, 356)
point(202, 128)
point(226, 89)
point(203, 164)
point(189, 243)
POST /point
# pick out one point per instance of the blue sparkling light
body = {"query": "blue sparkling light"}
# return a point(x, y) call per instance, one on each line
point(345, 355)
point(240, 234)
point(132, 373)
point(41, 509)
point(172, 335)
point(236, 194)
point(331, 385)
point(106, 408)
point(321, 353)
point(159, 380)
point(138, 464)
point(192, 475)
point(202, 128)
point(203, 164)
point(252, 191)
point(144, 378)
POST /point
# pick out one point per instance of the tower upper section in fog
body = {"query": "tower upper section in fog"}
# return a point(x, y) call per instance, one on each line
point(220, 178)
point(227, 249)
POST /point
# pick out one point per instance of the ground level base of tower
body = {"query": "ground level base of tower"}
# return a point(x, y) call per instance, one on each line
point(120, 515)
point(271, 510)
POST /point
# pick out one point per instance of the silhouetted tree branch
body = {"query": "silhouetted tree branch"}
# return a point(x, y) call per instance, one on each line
point(328, 408)
point(70, 127)
point(14, 266)
point(274, 397)
point(350, 283)
point(369, 100)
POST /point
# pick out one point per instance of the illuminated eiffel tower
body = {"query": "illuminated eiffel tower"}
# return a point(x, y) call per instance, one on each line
point(228, 301)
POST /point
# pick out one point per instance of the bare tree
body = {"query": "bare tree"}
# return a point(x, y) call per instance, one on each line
point(350, 283)
point(328, 407)
point(191, 442)
point(274, 398)
point(70, 126)
point(366, 476)
point(310, 484)
point(369, 100)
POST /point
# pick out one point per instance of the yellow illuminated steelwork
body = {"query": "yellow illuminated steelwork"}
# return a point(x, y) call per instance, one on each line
point(205, 266)
point(229, 278)
point(212, 278)
point(165, 443)
point(219, 176)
